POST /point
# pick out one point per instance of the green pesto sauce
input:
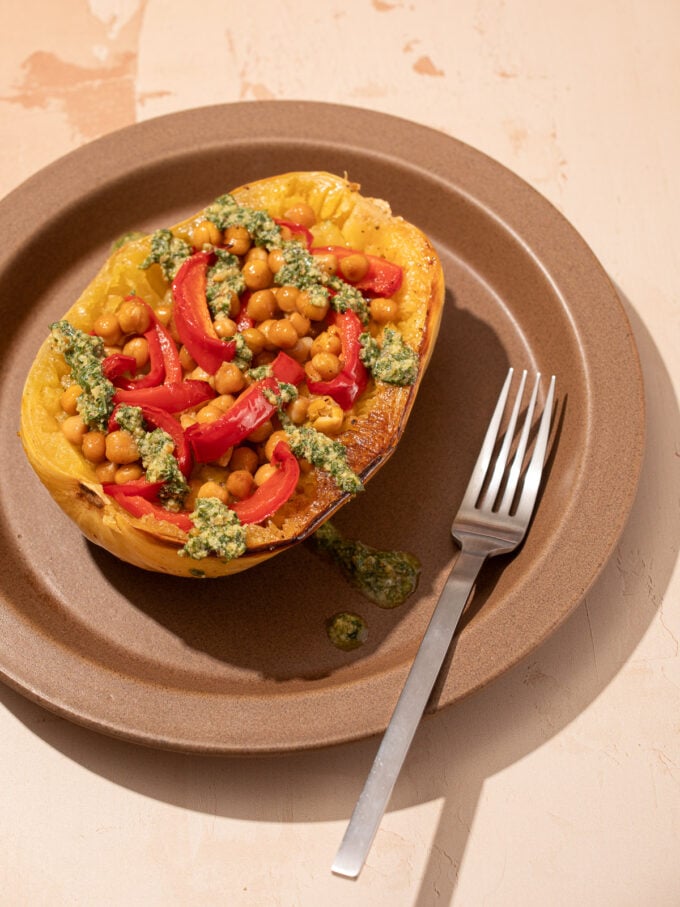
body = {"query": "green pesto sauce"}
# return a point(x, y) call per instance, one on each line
point(217, 530)
point(156, 449)
point(168, 251)
point(226, 212)
point(347, 297)
point(347, 631)
point(126, 238)
point(243, 355)
point(224, 279)
point(84, 353)
point(387, 578)
point(393, 361)
point(323, 452)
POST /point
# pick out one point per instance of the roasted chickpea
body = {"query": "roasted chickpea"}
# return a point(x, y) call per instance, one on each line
point(301, 213)
point(186, 360)
point(257, 274)
point(266, 357)
point(300, 323)
point(261, 305)
point(383, 310)
point(297, 410)
point(266, 471)
point(326, 365)
point(237, 240)
point(327, 262)
point(94, 446)
point(265, 328)
point(261, 433)
point(74, 429)
point(206, 233)
point(108, 328)
point(128, 473)
point(354, 267)
point(240, 483)
point(254, 339)
point(224, 402)
point(283, 335)
point(138, 348)
point(121, 447)
point(225, 327)
point(257, 253)
point(301, 351)
point(325, 415)
point(69, 399)
point(286, 297)
point(164, 313)
point(309, 309)
point(134, 317)
point(244, 458)
point(200, 374)
point(213, 490)
point(327, 342)
point(208, 413)
point(106, 472)
point(272, 441)
point(276, 260)
point(229, 379)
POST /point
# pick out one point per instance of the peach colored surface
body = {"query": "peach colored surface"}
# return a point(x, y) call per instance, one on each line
point(559, 783)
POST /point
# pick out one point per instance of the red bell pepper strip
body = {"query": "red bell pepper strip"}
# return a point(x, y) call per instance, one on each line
point(351, 382)
point(173, 398)
point(383, 277)
point(139, 506)
point(297, 230)
point(273, 493)
point(192, 316)
point(139, 487)
point(117, 364)
point(210, 440)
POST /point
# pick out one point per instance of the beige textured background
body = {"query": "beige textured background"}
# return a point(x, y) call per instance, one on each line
point(560, 783)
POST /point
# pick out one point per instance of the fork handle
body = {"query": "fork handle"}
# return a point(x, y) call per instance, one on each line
point(410, 706)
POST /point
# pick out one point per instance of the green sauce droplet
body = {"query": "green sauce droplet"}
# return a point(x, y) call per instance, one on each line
point(347, 631)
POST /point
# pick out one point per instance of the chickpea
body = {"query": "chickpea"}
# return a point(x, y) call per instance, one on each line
point(265, 328)
point(229, 379)
point(74, 429)
point(354, 267)
point(237, 240)
point(224, 402)
point(213, 490)
point(206, 233)
point(327, 365)
point(254, 339)
point(208, 413)
point(297, 410)
point(283, 335)
point(134, 317)
point(121, 448)
point(266, 357)
point(261, 305)
point(240, 483)
point(327, 262)
point(301, 351)
point(325, 415)
point(69, 399)
point(164, 314)
point(286, 233)
point(276, 260)
point(106, 472)
point(187, 419)
point(261, 433)
point(327, 342)
point(94, 446)
point(306, 307)
point(383, 310)
point(129, 473)
point(244, 458)
point(272, 441)
point(300, 323)
point(108, 328)
point(138, 348)
point(266, 471)
point(225, 327)
point(257, 274)
point(200, 374)
point(286, 297)
point(257, 253)
point(186, 360)
point(301, 213)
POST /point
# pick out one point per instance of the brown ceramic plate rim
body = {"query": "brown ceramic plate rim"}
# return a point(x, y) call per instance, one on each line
point(616, 412)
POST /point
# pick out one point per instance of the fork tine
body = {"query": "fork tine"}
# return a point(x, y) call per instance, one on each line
point(532, 479)
point(518, 460)
point(502, 458)
point(482, 465)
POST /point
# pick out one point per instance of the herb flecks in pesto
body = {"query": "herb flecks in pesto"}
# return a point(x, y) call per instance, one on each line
point(323, 452)
point(225, 212)
point(156, 449)
point(301, 270)
point(168, 251)
point(217, 531)
point(392, 361)
point(385, 577)
point(224, 280)
point(84, 353)
point(130, 236)
point(243, 355)
point(347, 298)
point(347, 631)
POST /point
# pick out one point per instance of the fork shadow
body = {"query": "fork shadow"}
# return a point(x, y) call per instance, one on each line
point(455, 753)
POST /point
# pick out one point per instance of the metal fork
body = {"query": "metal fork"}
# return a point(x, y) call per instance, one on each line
point(493, 519)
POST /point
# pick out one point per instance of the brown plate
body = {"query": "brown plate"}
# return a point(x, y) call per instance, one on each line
point(243, 664)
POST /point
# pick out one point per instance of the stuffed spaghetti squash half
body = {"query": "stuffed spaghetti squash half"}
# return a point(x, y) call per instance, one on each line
point(223, 386)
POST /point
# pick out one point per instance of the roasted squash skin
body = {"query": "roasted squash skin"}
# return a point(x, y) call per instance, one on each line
point(371, 431)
